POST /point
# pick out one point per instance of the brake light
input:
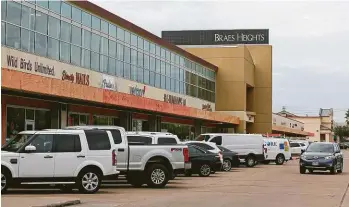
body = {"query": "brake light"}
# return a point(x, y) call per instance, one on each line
point(186, 154)
point(113, 158)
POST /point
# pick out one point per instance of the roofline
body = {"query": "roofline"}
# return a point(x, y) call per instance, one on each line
point(95, 9)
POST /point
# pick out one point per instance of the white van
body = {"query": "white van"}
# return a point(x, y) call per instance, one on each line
point(248, 146)
point(276, 150)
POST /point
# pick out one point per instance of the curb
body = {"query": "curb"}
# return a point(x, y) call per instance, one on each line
point(61, 204)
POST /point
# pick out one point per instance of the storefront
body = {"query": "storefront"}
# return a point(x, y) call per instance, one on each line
point(19, 114)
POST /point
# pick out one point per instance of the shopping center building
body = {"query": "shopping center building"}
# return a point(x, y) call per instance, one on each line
point(74, 63)
point(244, 78)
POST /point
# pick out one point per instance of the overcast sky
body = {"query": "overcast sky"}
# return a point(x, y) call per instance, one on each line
point(310, 42)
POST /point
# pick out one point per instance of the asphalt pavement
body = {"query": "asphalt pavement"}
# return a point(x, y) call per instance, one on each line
point(262, 186)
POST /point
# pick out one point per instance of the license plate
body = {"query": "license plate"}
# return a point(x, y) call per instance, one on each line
point(187, 165)
point(315, 163)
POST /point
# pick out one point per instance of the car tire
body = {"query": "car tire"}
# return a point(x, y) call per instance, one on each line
point(157, 176)
point(301, 170)
point(341, 169)
point(205, 170)
point(280, 159)
point(227, 165)
point(5, 180)
point(333, 170)
point(250, 161)
point(89, 181)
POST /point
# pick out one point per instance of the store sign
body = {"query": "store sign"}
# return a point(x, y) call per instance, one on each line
point(206, 107)
point(217, 37)
point(134, 90)
point(174, 100)
point(23, 64)
point(79, 78)
point(108, 82)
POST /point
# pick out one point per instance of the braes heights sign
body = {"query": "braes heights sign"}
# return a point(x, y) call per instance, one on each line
point(217, 37)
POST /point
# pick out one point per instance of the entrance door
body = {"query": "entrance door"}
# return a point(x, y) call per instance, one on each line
point(29, 125)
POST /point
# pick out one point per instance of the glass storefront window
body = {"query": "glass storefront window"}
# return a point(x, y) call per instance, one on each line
point(19, 119)
point(54, 27)
point(13, 36)
point(66, 10)
point(15, 121)
point(86, 19)
point(105, 120)
point(13, 12)
point(76, 14)
point(76, 119)
point(28, 17)
point(53, 49)
point(27, 40)
point(182, 131)
point(41, 22)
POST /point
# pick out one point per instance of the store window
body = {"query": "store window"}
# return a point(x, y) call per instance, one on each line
point(76, 119)
point(105, 120)
point(19, 119)
point(183, 132)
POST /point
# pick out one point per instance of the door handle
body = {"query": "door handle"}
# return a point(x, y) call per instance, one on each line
point(80, 156)
point(48, 156)
point(121, 150)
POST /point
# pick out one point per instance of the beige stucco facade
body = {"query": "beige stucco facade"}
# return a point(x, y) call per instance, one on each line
point(243, 83)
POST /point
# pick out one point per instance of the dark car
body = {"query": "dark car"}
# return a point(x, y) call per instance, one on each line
point(321, 156)
point(344, 145)
point(230, 158)
point(202, 161)
point(209, 148)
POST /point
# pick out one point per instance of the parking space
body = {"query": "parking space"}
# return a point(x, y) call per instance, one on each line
point(263, 185)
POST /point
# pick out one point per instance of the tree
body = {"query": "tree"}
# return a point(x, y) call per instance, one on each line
point(347, 117)
point(342, 132)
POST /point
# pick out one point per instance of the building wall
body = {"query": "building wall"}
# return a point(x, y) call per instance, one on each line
point(95, 79)
point(287, 122)
point(311, 124)
point(243, 80)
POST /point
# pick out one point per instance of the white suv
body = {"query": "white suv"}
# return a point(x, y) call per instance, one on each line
point(67, 158)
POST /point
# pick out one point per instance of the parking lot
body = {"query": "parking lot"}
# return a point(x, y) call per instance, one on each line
point(263, 185)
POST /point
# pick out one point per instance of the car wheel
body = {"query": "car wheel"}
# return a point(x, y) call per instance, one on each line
point(250, 161)
point(89, 181)
point(280, 159)
point(340, 169)
point(157, 176)
point(227, 165)
point(301, 170)
point(5, 180)
point(205, 170)
point(333, 170)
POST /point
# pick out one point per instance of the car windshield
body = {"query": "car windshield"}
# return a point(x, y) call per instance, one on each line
point(17, 142)
point(202, 138)
point(320, 147)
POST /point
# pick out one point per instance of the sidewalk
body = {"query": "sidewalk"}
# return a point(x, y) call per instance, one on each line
point(20, 201)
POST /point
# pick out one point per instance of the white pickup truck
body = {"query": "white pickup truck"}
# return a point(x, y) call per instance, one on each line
point(146, 163)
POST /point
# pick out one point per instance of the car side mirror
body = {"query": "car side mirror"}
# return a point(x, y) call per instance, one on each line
point(30, 148)
point(302, 151)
